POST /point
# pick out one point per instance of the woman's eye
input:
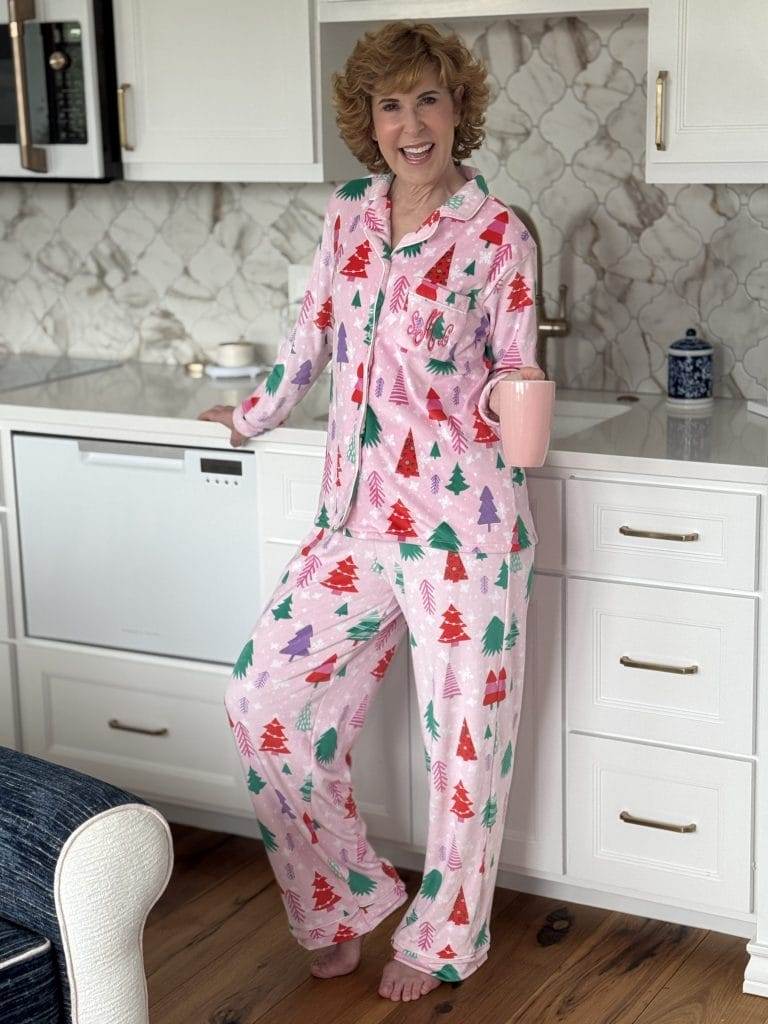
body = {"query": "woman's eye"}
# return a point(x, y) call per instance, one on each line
point(430, 99)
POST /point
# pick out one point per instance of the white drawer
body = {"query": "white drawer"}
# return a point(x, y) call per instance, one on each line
point(706, 867)
point(722, 523)
point(69, 697)
point(545, 497)
point(712, 634)
point(289, 486)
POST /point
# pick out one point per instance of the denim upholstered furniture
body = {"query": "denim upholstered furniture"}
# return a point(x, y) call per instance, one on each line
point(81, 865)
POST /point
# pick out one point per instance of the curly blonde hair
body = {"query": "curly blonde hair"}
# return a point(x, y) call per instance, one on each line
point(395, 57)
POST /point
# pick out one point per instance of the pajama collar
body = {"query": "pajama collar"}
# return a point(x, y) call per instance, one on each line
point(462, 205)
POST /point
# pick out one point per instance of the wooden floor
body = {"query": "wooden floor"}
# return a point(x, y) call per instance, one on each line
point(217, 951)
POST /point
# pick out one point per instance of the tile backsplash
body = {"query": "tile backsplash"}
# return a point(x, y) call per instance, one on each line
point(164, 272)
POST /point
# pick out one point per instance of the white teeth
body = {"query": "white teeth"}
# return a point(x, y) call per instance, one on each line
point(417, 149)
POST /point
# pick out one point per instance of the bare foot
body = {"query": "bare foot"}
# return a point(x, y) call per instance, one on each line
point(399, 981)
point(340, 958)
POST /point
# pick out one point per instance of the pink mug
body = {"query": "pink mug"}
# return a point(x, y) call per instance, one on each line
point(525, 409)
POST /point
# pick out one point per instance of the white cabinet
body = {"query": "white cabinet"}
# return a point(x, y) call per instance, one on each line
point(228, 93)
point(708, 59)
point(6, 622)
point(7, 698)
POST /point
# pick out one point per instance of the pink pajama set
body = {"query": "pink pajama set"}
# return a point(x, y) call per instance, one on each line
point(421, 530)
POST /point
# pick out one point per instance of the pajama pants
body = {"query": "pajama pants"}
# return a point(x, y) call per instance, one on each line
point(299, 695)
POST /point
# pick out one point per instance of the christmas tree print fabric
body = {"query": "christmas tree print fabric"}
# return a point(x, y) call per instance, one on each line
point(300, 693)
point(418, 335)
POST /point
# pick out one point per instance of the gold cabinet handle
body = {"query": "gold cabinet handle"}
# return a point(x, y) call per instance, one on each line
point(115, 723)
point(33, 158)
point(656, 666)
point(661, 82)
point(650, 823)
point(630, 531)
point(121, 119)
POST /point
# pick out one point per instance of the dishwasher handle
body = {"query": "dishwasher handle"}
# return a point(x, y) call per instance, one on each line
point(131, 454)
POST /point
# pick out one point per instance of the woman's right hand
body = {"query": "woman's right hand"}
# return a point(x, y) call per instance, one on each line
point(223, 414)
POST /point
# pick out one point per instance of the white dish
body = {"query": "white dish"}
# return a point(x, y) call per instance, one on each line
point(225, 372)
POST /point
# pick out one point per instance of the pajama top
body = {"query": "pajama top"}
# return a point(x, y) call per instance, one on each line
point(418, 336)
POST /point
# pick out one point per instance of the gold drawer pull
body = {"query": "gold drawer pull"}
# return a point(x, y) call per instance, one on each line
point(122, 123)
point(661, 81)
point(630, 531)
point(656, 666)
point(114, 723)
point(632, 820)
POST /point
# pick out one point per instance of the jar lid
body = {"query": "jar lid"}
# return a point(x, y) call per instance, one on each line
point(690, 343)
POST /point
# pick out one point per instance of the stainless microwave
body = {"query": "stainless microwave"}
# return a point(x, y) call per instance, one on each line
point(58, 88)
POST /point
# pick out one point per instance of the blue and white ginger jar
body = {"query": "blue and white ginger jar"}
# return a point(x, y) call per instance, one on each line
point(689, 382)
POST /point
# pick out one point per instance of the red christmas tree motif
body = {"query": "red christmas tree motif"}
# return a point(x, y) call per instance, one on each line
point(273, 739)
point(344, 933)
point(315, 540)
point(483, 433)
point(459, 913)
point(491, 689)
point(430, 219)
point(447, 952)
point(324, 316)
point(437, 274)
point(250, 402)
point(519, 294)
point(435, 406)
point(310, 823)
point(356, 264)
point(351, 806)
point(466, 748)
point(501, 685)
point(454, 568)
point(357, 394)
point(324, 895)
point(380, 670)
point(452, 628)
point(494, 233)
point(401, 521)
point(461, 802)
point(516, 545)
point(407, 464)
point(336, 230)
point(342, 577)
point(323, 673)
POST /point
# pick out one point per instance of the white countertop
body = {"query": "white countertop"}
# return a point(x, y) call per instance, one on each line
point(152, 402)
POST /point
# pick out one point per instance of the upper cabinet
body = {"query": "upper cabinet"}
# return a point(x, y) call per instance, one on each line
point(707, 85)
point(232, 94)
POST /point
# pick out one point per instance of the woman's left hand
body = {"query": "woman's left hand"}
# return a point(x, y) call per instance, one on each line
point(523, 373)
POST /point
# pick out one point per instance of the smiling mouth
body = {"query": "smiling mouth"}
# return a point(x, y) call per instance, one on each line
point(420, 155)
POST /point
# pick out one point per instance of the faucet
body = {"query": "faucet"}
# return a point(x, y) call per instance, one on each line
point(544, 327)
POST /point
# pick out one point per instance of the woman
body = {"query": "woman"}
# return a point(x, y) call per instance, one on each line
point(421, 293)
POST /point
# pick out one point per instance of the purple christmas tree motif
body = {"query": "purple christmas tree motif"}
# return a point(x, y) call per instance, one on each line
point(481, 332)
point(298, 645)
point(488, 514)
point(341, 345)
point(302, 377)
point(285, 807)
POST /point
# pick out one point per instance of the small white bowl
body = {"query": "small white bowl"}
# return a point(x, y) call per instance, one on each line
point(235, 353)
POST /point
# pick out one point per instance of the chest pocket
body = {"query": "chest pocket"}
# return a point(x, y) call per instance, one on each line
point(436, 316)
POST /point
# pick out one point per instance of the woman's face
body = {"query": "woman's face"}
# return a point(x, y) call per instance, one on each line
point(424, 117)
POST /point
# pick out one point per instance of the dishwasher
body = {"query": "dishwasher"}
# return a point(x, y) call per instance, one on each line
point(141, 547)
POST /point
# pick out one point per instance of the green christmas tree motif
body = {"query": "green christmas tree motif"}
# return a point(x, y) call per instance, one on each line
point(399, 581)
point(377, 567)
point(366, 629)
point(386, 252)
point(433, 727)
point(472, 294)
point(438, 327)
point(306, 789)
point(325, 748)
point(434, 451)
point(355, 188)
point(515, 565)
point(336, 869)
point(321, 519)
point(285, 575)
point(487, 734)
point(304, 720)
point(411, 918)
point(511, 638)
point(518, 475)
point(447, 973)
point(481, 183)
point(342, 672)
point(411, 639)
point(506, 761)
point(286, 769)
point(411, 552)
point(493, 637)
point(441, 367)
point(357, 301)
point(502, 580)
point(430, 885)
point(409, 251)
point(351, 451)
point(482, 938)
point(470, 269)
point(444, 538)
point(244, 662)
point(499, 461)
point(373, 317)
point(489, 812)
point(255, 781)
point(359, 884)
point(343, 609)
point(522, 534)
point(457, 483)
point(275, 378)
point(427, 761)
point(268, 837)
point(529, 585)
point(283, 610)
point(372, 428)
